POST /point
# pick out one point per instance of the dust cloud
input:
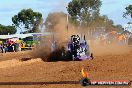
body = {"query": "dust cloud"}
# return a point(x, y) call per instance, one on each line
point(113, 49)
point(61, 35)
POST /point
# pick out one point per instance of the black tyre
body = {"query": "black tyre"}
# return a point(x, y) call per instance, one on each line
point(85, 82)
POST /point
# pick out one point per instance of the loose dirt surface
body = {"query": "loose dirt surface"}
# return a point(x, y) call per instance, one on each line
point(110, 63)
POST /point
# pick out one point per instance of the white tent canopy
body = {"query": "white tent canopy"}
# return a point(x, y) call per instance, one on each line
point(23, 35)
point(15, 36)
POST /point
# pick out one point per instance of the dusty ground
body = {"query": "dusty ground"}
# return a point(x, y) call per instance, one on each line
point(110, 63)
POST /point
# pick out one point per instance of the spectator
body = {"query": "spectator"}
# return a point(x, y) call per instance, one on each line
point(6, 48)
point(1, 47)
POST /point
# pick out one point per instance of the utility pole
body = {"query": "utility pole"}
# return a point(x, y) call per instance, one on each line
point(67, 20)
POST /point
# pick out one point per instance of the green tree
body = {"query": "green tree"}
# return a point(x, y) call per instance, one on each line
point(119, 28)
point(128, 11)
point(4, 30)
point(28, 19)
point(105, 23)
point(84, 11)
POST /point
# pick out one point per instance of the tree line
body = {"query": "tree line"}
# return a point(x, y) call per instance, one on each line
point(4, 30)
point(81, 13)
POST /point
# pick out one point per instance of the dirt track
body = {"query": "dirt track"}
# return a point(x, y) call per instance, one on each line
point(108, 66)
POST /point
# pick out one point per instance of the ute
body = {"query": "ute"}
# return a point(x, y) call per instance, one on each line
point(77, 49)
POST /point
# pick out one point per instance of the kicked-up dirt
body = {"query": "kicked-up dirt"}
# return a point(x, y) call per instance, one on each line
point(35, 73)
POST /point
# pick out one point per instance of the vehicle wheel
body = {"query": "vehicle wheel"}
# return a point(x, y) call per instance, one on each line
point(85, 82)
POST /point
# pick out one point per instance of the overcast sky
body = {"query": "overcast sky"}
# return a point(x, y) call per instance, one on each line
point(112, 8)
